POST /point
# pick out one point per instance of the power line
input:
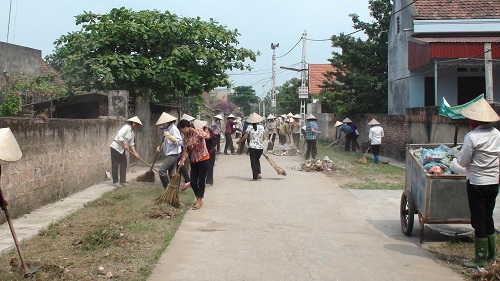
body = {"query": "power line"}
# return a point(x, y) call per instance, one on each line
point(329, 39)
point(402, 8)
point(291, 48)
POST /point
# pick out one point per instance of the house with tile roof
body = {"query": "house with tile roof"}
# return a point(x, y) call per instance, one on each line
point(443, 48)
point(316, 76)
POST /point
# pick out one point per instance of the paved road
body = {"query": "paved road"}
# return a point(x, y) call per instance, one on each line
point(299, 227)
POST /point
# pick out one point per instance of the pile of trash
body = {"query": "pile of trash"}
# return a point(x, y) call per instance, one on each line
point(441, 160)
point(326, 164)
point(284, 150)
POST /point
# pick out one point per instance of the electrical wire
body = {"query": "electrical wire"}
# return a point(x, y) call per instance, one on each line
point(291, 48)
point(329, 39)
point(392, 14)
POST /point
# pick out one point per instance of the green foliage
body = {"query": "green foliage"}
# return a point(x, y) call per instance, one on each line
point(167, 56)
point(245, 98)
point(9, 105)
point(361, 68)
point(32, 88)
point(287, 100)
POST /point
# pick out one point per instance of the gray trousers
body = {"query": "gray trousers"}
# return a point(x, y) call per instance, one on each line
point(167, 168)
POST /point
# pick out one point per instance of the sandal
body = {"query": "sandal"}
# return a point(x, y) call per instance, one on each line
point(196, 207)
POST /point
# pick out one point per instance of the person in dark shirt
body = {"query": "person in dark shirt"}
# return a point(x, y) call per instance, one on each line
point(228, 132)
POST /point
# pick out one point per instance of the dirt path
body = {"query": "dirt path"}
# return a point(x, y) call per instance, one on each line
point(299, 227)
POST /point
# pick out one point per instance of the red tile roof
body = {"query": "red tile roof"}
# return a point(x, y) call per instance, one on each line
point(457, 9)
point(47, 69)
point(317, 76)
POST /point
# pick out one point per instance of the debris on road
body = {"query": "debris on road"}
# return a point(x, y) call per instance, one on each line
point(315, 165)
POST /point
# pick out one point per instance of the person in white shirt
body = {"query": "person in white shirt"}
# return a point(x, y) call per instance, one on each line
point(480, 157)
point(124, 140)
point(375, 136)
point(171, 147)
point(256, 133)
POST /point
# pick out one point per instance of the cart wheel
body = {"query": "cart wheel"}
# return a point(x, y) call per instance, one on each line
point(407, 213)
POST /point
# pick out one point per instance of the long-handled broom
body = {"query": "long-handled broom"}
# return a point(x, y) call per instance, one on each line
point(171, 194)
point(149, 176)
point(363, 159)
point(142, 160)
point(275, 166)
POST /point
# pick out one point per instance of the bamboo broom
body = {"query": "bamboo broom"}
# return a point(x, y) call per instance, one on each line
point(275, 166)
point(363, 160)
point(149, 176)
point(171, 194)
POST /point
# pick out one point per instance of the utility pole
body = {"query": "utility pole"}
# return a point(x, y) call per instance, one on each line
point(264, 107)
point(303, 90)
point(273, 89)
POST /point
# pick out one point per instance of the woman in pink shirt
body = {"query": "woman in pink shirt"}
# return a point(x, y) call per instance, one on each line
point(194, 145)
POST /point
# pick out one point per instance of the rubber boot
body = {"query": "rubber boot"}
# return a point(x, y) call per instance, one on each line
point(481, 248)
point(164, 181)
point(376, 158)
point(492, 247)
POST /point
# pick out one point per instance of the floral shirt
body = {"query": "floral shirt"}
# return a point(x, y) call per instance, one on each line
point(256, 137)
point(195, 145)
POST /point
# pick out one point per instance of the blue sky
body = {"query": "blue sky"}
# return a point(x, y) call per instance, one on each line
point(38, 24)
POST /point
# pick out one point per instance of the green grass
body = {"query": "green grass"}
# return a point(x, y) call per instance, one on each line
point(121, 230)
point(364, 176)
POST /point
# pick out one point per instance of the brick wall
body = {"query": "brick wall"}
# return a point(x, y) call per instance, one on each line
point(60, 157)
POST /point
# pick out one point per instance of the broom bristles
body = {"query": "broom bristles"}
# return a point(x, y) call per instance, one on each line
point(275, 166)
point(171, 194)
point(363, 160)
point(149, 176)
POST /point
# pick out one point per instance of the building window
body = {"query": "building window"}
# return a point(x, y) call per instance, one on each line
point(398, 24)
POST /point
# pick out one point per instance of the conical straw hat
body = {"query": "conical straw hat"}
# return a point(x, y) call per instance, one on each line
point(338, 123)
point(289, 114)
point(271, 116)
point(231, 116)
point(283, 115)
point(218, 116)
point(480, 111)
point(347, 120)
point(135, 119)
point(187, 117)
point(9, 148)
point(311, 117)
point(296, 116)
point(198, 124)
point(254, 118)
point(165, 118)
point(373, 122)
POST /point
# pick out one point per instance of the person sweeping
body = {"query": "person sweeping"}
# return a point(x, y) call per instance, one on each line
point(256, 134)
point(312, 132)
point(480, 157)
point(171, 147)
point(194, 145)
point(375, 136)
point(124, 140)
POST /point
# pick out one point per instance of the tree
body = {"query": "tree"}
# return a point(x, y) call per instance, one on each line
point(245, 98)
point(18, 90)
point(224, 106)
point(148, 52)
point(360, 80)
point(287, 100)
